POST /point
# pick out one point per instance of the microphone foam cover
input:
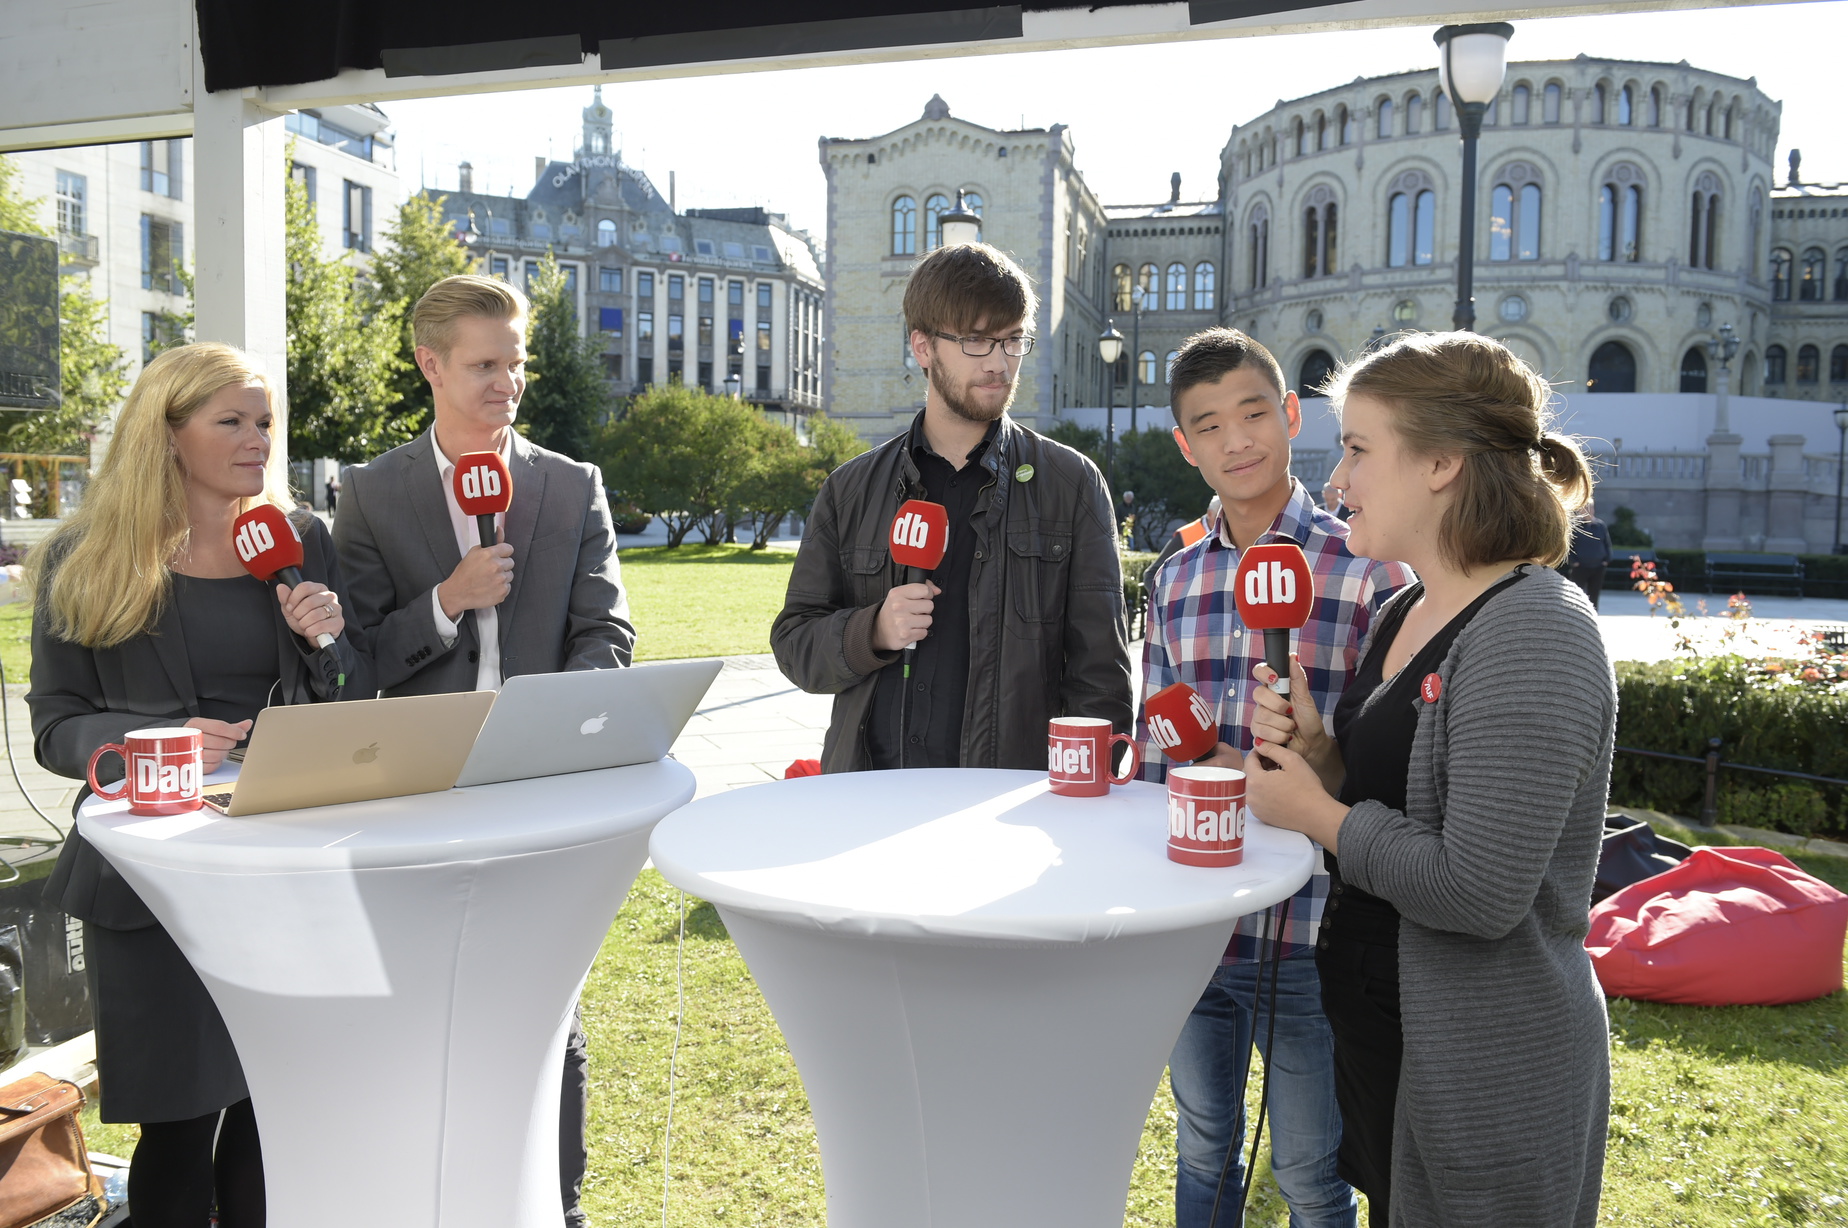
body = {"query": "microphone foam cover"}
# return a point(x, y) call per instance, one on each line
point(1273, 587)
point(920, 534)
point(483, 485)
point(1180, 724)
point(266, 542)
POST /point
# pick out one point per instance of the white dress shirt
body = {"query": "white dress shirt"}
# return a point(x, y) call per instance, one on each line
point(487, 619)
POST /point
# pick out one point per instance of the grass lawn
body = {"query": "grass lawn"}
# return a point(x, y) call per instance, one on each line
point(704, 601)
point(16, 644)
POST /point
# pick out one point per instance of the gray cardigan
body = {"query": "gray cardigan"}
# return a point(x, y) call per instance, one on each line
point(1505, 1086)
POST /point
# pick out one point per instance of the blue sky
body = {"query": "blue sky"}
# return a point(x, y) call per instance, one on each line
point(1136, 113)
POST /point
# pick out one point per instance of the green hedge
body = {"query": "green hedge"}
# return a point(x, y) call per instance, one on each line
point(1675, 706)
point(1824, 575)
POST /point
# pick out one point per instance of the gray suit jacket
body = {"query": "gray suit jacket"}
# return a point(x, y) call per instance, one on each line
point(567, 609)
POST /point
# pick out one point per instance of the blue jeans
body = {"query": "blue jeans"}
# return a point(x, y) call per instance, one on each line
point(1205, 1069)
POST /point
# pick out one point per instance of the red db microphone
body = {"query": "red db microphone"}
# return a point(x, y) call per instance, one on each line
point(271, 550)
point(1180, 724)
point(920, 536)
point(484, 489)
point(1274, 591)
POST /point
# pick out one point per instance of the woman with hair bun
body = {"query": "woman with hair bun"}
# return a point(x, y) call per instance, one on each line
point(146, 618)
point(1461, 800)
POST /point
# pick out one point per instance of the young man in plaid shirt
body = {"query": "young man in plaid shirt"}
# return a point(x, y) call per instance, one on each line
point(1234, 421)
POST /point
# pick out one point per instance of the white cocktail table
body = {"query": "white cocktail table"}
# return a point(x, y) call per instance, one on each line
point(980, 980)
point(398, 978)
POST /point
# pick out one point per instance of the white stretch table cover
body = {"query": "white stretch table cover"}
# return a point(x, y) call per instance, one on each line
point(398, 977)
point(980, 980)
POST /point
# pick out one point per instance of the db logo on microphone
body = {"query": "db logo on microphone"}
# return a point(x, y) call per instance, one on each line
point(253, 538)
point(481, 482)
point(911, 530)
point(1270, 584)
point(1162, 731)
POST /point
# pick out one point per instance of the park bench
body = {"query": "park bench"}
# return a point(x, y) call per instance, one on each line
point(1735, 571)
point(1617, 571)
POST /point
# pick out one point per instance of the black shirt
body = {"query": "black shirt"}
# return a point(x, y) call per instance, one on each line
point(1375, 722)
point(230, 634)
point(939, 682)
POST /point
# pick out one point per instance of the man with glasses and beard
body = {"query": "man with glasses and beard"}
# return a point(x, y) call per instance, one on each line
point(1023, 620)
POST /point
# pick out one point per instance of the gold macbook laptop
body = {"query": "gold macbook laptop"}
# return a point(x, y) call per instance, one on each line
point(306, 755)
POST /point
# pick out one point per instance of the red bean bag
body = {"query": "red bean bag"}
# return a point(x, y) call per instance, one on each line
point(1726, 927)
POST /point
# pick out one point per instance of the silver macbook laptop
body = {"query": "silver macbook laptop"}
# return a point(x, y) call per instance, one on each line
point(305, 755)
point(548, 724)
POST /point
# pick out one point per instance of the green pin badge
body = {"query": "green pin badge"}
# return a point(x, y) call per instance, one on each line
point(1024, 473)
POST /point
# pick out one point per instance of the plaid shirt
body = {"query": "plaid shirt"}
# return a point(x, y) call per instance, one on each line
point(1194, 636)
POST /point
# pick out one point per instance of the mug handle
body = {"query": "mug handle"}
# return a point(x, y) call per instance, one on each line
point(90, 771)
point(1135, 758)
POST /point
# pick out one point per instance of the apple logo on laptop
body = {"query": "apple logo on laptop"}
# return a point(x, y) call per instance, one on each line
point(366, 754)
point(595, 724)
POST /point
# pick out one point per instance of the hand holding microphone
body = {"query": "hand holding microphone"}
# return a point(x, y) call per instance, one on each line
point(483, 579)
point(271, 550)
point(1181, 725)
point(1274, 590)
point(919, 538)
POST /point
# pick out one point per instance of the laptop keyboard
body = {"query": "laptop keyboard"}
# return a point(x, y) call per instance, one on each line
point(219, 799)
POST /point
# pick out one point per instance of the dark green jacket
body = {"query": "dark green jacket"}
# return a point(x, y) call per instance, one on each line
point(1048, 635)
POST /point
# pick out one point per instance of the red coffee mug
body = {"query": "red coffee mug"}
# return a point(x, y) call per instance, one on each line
point(1206, 816)
point(163, 770)
point(1078, 754)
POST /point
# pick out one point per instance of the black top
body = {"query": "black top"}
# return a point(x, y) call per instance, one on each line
point(230, 642)
point(940, 676)
point(1375, 722)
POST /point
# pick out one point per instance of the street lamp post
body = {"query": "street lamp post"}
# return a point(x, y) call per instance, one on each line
point(1841, 455)
point(1136, 298)
point(1721, 349)
point(1471, 64)
point(961, 224)
point(1110, 348)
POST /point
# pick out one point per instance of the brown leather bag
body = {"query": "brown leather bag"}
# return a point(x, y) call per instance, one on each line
point(44, 1165)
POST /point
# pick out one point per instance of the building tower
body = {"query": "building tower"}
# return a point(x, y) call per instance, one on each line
point(597, 127)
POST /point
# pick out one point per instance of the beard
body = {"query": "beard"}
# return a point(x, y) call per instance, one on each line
point(958, 402)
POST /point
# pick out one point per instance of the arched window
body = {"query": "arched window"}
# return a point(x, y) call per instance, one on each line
point(1414, 114)
point(1301, 137)
point(935, 206)
point(1344, 122)
point(1514, 214)
point(1121, 285)
point(972, 201)
point(1694, 369)
point(1689, 123)
point(1841, 276)
point(1145, 368)
point(1808, 359)
point(1780, 284)
point(1522, 103)
point(1809, 281)
point(1319, 226)
point(1549, 102)
point(1732, 113)
point(1259, 262)
point(1626, 106)
point(1321, 132)
point(1317, 367)
point(1748, 375)
point(606, 233)
point(1383, 108)
point(1620, 214)
point(1148, 283)
point(1713, 110)
point(1600, 99)
point(1411, 222)
point(1440, 121)
point(905, 226)
point(1774, 364)
point(1838, 365)
point(1704, 222)
point(1655, 106)
point(1613, 369)
point(1205, 285)
point(1167, 366)
point(1177, 287)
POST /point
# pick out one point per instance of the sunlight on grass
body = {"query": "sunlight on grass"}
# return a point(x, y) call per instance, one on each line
point(703, 601)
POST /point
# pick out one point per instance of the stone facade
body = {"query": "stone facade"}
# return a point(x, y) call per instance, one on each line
point(1809, 292)
point(692, 295)
point(884, 193)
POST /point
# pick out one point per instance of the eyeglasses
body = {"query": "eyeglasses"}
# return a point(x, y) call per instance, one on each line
point(982, 347)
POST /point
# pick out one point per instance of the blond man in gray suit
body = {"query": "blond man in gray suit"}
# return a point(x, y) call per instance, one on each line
point(444, 613)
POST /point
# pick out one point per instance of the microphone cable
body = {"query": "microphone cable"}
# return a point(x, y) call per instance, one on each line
point(1280, 914)
point(6, 729)
point(680, 1015)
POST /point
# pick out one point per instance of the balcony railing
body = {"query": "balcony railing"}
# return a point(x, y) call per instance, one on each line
point(78, 249)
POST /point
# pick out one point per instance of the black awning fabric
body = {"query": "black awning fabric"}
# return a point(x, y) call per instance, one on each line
point(245, 44)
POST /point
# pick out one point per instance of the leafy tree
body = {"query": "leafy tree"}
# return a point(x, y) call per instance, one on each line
point(343, 352)
point(834, 443)
point(785, 474)
point(421, 251)
point(92, 371)
point(680, 453)
point(1086, 439)
point(1167, 488)
point(566, 398)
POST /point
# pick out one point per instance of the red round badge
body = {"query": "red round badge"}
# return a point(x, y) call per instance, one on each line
point(1431, 688)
